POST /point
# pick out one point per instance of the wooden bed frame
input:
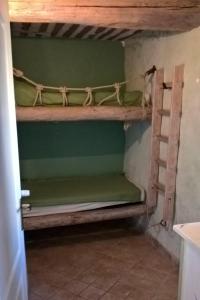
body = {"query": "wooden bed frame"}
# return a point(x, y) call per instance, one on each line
point(82, 113)
point(124, 114)
point(63, 219)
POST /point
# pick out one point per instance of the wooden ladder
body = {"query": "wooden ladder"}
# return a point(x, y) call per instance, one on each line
point(168, 189)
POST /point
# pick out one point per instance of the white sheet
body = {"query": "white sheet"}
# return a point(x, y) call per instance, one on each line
point(49, 210)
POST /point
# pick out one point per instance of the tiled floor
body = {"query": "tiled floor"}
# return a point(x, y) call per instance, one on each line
point(107, 262)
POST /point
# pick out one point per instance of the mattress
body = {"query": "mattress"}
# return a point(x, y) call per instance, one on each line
point(90, 191)
point(25, 96)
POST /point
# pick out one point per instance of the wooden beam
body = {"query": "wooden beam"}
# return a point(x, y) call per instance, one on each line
point(136, 14)
point(82, 113)
point(119, 3)
point(63, 219)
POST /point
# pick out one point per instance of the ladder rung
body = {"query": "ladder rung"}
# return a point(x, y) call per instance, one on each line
point(159, 187)
point(163, 138)
point(164, 112)
point(167, 85)
point(162, 163)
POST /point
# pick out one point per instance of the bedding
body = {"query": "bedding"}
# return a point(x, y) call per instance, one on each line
point(25, 95)
point(68, 208)
point(83, 189)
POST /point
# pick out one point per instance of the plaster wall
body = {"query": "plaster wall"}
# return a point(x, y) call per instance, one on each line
point(168, 51)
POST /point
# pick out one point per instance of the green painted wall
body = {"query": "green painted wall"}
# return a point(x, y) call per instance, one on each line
point(66, 149)
point(70, 148)
point(75, 63)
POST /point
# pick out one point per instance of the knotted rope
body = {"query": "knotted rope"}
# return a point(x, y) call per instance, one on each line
point(115, 94)
point(64, 90)
point(38, 96)
point(89, 100)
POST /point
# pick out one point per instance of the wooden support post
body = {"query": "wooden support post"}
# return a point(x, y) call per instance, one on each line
point(173, 145)
point(155, 143)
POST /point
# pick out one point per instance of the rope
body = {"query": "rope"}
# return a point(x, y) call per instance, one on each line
point(116, 93)
point(89, 100)
point(117, 89)
point(38, 96)
point(106, 99)
point(63, 90)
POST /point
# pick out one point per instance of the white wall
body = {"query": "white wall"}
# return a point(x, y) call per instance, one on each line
point(167, 52)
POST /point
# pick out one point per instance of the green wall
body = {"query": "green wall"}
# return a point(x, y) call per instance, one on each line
point(66, 149)
point(70, 148)
point(74, 63)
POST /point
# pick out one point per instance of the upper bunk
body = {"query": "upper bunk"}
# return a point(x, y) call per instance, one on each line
point(38, 102)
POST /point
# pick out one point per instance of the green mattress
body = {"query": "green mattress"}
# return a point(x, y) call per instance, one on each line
point(25, 95)
point(75, 190)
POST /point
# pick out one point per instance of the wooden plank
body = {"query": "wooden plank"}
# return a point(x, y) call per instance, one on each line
point(156, 131)
point(167, 85)
point(173, 145)
point(162, 163)
point(82, 113)
point(144, 15)
point(159, 187)
point(164, 112)
point(63, 219)
point(119, 3)
point(163, 138)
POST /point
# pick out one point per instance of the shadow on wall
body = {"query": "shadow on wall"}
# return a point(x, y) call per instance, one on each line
point(135, 132)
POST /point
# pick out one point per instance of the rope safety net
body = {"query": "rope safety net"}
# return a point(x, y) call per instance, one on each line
point(64, 91)
point(89, 98)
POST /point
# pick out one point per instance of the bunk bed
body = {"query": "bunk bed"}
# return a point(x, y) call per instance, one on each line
point(77, 200)
point(74, 200)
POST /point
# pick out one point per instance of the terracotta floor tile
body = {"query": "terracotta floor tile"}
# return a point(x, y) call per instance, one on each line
point(63, 295)
point(142, 294)
point(43, 290)
point(88, 276)
point(105, 282)
point(33, 296)
point(169, 288)
point(92, 293)
point(121, 290)
point(76, 287)
point(109, 296)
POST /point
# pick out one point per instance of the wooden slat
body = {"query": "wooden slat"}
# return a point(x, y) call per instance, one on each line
point(173, 145)
point(159, 187)
point(163, 138)
point(144, 15)
point(82, 113)
point(164, 112)
point(167, 85)
point(162, 163)
point(63, 219)
point(156, 131)
point(130, 35)
point(119, 3)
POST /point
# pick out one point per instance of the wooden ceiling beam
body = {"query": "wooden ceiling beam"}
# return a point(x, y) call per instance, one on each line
point(120, 3)
point(174, 15)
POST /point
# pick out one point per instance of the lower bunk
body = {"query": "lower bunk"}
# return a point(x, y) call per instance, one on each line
point(77, 200)
point(64, 219)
